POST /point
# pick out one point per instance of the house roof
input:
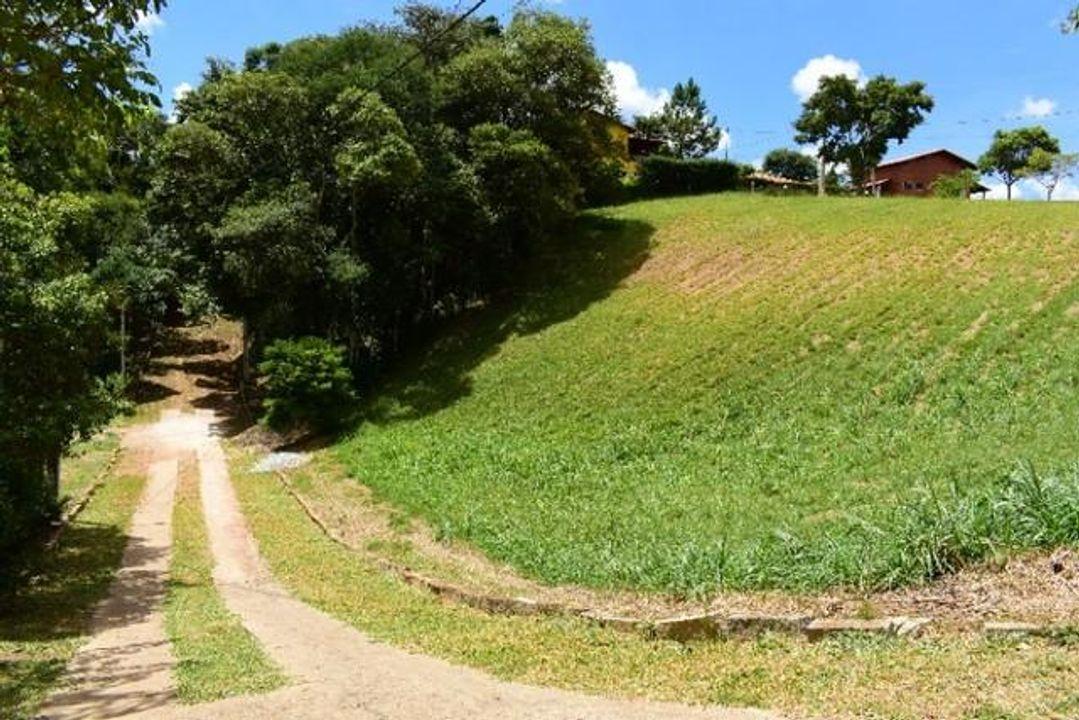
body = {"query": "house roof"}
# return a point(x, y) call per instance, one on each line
point(919, 156)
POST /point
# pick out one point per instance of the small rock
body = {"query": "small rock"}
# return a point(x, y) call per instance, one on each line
point(1011, 628)
point(821, 628)
point(620, 624)
point(691, 627)
point(755, 624)
point(281, 461)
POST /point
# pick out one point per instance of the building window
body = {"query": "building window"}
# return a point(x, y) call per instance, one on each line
point(907, 185)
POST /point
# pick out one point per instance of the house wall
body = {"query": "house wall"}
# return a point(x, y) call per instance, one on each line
point(915, 177)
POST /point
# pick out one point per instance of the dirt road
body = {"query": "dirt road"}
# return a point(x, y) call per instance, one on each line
point(337, 672)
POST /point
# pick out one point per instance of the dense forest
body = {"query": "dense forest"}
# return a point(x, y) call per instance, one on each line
point(359, 188)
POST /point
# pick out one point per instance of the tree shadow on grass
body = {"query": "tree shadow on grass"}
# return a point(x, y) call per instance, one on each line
point(582, 269)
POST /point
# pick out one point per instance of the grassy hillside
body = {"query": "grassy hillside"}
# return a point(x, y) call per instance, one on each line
point(755, 392)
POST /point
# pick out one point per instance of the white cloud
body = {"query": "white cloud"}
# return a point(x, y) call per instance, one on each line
point(633, 98)
point(179, 93)
point(148, 22)
point(1067, 190)
point(1038, 107)
point(806, 81)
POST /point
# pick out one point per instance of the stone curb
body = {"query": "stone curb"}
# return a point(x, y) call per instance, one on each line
point(686, 628)
point(59, 526)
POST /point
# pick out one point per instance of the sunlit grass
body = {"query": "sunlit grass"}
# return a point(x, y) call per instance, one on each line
point(44, 618)
point(956, 677)
point(746, 392)
point(215, 656)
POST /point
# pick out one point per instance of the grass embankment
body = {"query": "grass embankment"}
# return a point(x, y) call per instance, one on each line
point(948, 678)
point(44, 618)
point(742, 392)
point(215, 656)
point(86, 463)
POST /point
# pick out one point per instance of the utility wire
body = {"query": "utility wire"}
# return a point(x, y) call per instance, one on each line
point(419, 52)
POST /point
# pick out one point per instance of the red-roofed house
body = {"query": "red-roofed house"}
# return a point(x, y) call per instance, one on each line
point(915, 175)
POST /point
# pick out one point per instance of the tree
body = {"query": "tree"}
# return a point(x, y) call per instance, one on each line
point(684, 123)
point(1071, 23)
point(790, 164)
point(956, 186)
point(1050, 169)
point(1008, 157)
point(853, 124)
point(52, 332)
point(70, 73)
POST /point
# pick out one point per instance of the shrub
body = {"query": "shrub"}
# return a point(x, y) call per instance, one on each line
point(307, 384)
point(957, 186)
point(669, 176)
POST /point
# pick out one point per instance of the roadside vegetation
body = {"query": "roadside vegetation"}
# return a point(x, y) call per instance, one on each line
point(740, 392)
point(958, 677)
point(215, 656)
point(46, 597)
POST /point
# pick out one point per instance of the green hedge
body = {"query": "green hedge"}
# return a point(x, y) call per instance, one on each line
point(670, 176)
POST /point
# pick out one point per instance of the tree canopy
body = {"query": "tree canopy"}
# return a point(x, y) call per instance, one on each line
point(327, 188)
point(684, 124)
point(1050, 169)
point(1009, 156)
point(853, 124)
point(790, 164)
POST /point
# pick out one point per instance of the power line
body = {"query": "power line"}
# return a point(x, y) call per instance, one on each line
point(419, 51)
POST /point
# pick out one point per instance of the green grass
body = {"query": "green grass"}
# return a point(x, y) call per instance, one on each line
point(745, 392)
point(954, 677)
point(44, 618)
point(215, 656)
point(85, 462)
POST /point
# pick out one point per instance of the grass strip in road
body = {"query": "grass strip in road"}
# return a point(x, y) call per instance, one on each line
point(215, 656)
point(952, 678)
point(47, 599)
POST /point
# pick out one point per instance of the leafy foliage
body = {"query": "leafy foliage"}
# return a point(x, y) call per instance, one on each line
point(684, 124)
point(1050, 169)
point(327, 189)
point(52, 331)
point(853, 124)
point(70, 75)
point(955, 185)
point(307, 383)
point(790, 164)
point(669, 176)
point(1010, 154)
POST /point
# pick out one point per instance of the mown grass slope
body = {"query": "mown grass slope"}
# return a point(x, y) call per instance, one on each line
point(751, 392)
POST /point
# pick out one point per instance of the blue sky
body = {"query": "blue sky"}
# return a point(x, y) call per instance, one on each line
point(988, 63)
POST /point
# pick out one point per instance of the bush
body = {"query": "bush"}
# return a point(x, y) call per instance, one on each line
point(307, 384)
point(670, 176)
point(957, 186)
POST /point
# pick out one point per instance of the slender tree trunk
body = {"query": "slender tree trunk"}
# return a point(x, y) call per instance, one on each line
point(1009, 191)
point(123, 341)
point(820, 177)
point(52, 477)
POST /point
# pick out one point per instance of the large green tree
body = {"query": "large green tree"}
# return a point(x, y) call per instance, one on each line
point(684, 123)
point(1008, 157)
point(74, 116)
point(331, 188)
point(790, 164)
point(853, 124)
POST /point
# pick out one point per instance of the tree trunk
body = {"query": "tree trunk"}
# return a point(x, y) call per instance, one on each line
point(820, 177)
point(123, 342)
point(52, 478)
point(1009, 191)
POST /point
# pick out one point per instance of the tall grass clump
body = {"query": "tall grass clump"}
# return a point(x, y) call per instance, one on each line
point(932, 534)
